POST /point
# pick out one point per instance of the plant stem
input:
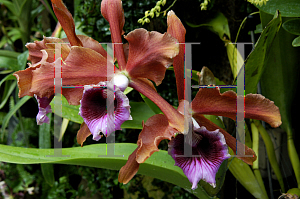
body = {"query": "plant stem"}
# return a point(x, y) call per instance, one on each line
point(293, 155)
point(271, 153)
point(255, 147)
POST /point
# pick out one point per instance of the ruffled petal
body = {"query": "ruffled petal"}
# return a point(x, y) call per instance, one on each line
point(210, 101)
point(83, 66)
point(177, 30)
point(44, 109)
point(150, 54)
point(66, 20)
point(89, 42)
point(25, 78)
point(48, 44)
point(94, 112)
point(129, 169)
point(155, 130)
point(113, 12)
point(230, 140)
point(212, 150)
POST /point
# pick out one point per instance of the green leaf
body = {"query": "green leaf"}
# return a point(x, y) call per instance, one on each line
point(10, 6)
point(9, 88)
point(282, 74)
point(243, 173)
point(69, 112)
point(287, 8)
point(63, 128)
point(13, 111)
point(151, 104)
point(139, 112)
point(292, 26)
point(296, 42)
point(7, 91)
point(10, 54)
point(218, 25)
point(22, 60)
point(45, 143)
point(127, 90)
point(257, 60)
point(235, 59)
point(160, 165)
point(220, 178)
point(10, 63)
point(44, 134)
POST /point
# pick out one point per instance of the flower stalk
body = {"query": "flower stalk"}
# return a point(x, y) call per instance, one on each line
point(271, 152)
point(255, 166)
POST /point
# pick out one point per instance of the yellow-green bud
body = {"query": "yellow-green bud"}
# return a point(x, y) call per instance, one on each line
point(147, 20)
point(151, 14)
point(147, 13)
point(158, 3)
point(163, 2)
point(140, 21)
point(157, 8)
point(157, 14)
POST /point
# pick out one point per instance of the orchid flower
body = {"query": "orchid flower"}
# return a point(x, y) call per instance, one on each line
point(207, 140)
point(84, 64)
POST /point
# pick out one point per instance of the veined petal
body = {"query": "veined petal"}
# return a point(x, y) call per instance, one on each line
point(209, 150)
point(129, 169)
point(89, 42)
point(113, 12)
point(230, 141)
point(44, 109)
point(83, 66)
point(150, 54)
point(176, 119)
point(155, 130)
point(210, 101)
point(66, 20)
point(177, 30)
point(94, 112)
point(48, 44)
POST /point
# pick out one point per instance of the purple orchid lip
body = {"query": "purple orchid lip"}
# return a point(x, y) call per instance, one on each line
point(44, 109)
point(93, 109)
point(210, 150)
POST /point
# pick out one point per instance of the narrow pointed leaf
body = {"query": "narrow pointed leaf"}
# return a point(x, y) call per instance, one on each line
point(13, 111)
point(282, 74)
point(257, 60)
point(243, 173)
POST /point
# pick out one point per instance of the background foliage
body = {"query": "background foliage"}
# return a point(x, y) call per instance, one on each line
point(26, 21)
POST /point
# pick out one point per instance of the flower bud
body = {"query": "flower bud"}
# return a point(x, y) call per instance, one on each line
point(151, 14)
point(140, 21)
point(157, 8)
point(163, 2)
point(158, 3)
point(147, 20)
point(147, 13)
